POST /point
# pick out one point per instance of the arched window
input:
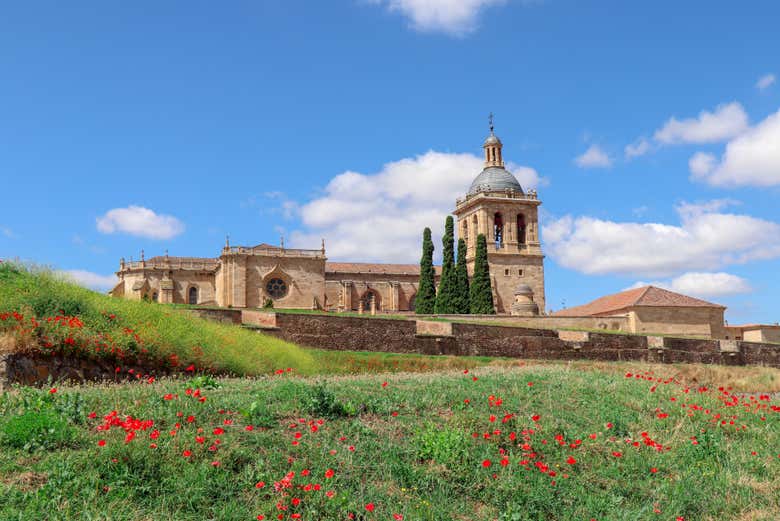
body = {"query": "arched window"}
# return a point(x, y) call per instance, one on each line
point(520, 228)
point(192, 295)
point(465, 235)
point(412, 302)
point(276, 288)
point(498, 230)
point(155, 297)
point(475, 226)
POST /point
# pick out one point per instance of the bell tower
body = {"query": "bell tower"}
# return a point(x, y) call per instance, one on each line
point(497, 206)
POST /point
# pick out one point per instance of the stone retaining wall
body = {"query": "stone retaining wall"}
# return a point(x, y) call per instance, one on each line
point(466, 339)
point(37, 369)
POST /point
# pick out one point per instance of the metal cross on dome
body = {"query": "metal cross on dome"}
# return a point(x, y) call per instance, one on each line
point(490, 120)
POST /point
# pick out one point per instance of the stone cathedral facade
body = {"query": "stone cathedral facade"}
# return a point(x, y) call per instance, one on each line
point(247, 277)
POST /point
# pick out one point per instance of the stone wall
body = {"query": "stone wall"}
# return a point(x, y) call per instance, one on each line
point(549, 322)
point(347, 333)
point(37, 369)
point(463, 339)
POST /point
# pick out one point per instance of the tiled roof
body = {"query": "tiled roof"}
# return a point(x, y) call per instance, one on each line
point(645, 296)
point(381, 269)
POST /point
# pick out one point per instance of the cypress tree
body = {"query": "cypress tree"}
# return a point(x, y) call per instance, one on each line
point(447, 296)
point(481, 295)
point(462, 278)
point(426, 292)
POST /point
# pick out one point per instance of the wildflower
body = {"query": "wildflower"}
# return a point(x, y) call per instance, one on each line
point(398, 517)
point(370, 507)
point(52, 390)
point(186, 453)
point(330, 494)
point(329, 473)
point(101, 443)
point(487, 463)
point(653, 470)
point(617, 454)
point(571, 461)
point(260, 484)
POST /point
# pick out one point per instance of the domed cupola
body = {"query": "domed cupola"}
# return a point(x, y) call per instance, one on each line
point(494, 177)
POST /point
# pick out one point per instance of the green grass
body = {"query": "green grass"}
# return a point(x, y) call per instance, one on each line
point(126, 330)
point(413, 445)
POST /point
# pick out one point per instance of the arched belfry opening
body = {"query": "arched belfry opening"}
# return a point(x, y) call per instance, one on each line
point(521, 228)
point(498, 230)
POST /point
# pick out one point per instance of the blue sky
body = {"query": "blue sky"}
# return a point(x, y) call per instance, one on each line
point(130, 125)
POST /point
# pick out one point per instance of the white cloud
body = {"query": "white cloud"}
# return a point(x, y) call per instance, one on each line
point(726, 122)
point(7, 232)
point(140, 221)
point(706, 239)
point(91, 280)
point(764, 82)
point(455, 17)
point(594, 157)
point(638, 148)
point(701, 164)
point(752, 159)
point(703, 284)
point(380, 217)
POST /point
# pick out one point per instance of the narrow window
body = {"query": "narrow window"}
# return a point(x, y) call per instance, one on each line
point(506, 272)
point(192, 295)
point(520, 273)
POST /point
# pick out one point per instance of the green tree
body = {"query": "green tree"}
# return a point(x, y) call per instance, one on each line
point(425, 301)
point(481, 294)
point(462, 280)
point(447, 296)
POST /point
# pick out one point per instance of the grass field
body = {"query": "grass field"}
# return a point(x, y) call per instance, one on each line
point(518, 441)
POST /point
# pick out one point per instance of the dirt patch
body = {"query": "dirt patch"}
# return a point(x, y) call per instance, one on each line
point(26, 481)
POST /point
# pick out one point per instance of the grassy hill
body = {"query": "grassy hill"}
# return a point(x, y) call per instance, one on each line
point(41, 311)
point(535, 442)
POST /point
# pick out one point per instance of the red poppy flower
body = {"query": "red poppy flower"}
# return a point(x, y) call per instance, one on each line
point(186, 453)
point(487, 463)
point(370, 507)
point(101, 443)
point(329, 473)
point(571, 461)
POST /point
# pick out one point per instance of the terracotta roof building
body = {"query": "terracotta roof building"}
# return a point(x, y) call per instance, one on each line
point(650, 309)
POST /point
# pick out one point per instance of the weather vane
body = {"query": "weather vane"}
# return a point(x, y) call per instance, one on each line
point(490, 119)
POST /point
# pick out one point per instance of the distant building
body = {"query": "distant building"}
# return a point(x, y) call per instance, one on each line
point(652, 310)
point(247, 277)
point(754, 333)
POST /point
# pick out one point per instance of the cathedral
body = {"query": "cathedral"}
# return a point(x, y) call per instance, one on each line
point(255, 276)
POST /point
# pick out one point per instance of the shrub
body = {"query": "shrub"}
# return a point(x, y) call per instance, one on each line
point(320, 401)
point(259, 414)
point(442, 445)
point(33, 430)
